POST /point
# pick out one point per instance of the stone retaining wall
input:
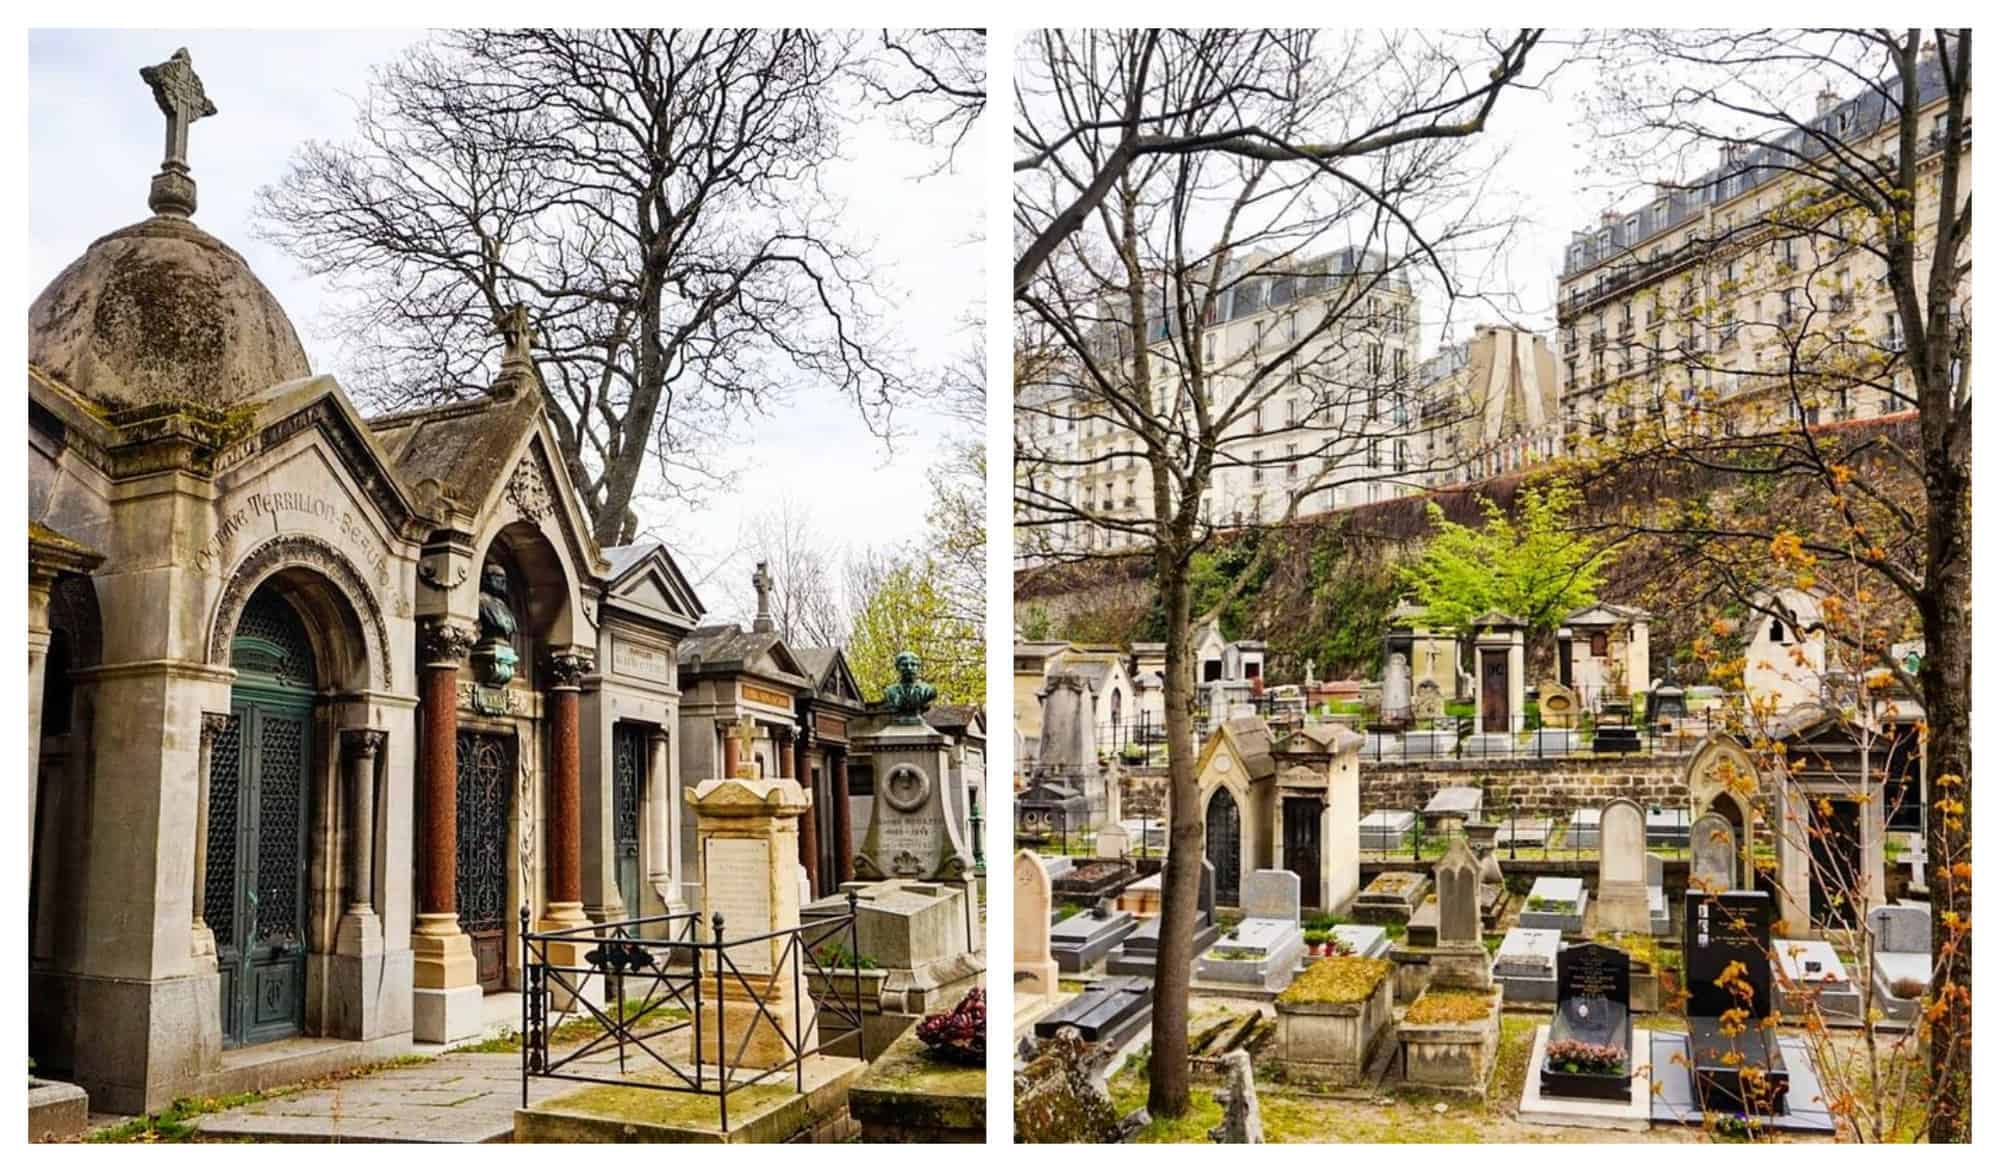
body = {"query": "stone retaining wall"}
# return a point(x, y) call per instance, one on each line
point(1552, 784)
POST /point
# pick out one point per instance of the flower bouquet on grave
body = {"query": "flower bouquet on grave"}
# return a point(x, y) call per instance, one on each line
point(958, 1037)
point(1576, 1057)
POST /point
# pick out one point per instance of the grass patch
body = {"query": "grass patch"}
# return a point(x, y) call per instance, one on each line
point(575, 1031)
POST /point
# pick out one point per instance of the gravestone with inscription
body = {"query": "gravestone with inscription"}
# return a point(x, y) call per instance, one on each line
point(1621, 869)
point(1712, 854)
point(1034, 965)
point(911, 833)
point(747, 833)
point(1734, 1053)
point(1589, 1052)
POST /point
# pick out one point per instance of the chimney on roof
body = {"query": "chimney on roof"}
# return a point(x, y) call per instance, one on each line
point(1608, 217)
point(1824, 104)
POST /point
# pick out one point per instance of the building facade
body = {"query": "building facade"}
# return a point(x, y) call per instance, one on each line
point(1687, 311)
point(1342, 412)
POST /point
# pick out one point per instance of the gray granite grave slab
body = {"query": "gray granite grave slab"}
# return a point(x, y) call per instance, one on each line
point(1813, 974)
point(1429, 743)
point(1673, 1087)
point(1381, 746)
point(1256, 954)
point(1569, 897)
point(1363, 940)
point(1519, 832)
point(1667, 827)
point(1385, 830)
point(1392, 897)
point(1489, 745)
point(1526, 964)
point(1585, 826)
point(1463, 802)
point(1555, 742)
point(1087, 937)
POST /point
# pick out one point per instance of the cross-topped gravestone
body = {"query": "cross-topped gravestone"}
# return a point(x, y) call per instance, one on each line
point(761, 582)
point(518, 331)
point(744, 733)
point(178, 90)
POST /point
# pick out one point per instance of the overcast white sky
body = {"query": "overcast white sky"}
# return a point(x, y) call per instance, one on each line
point(94, 143)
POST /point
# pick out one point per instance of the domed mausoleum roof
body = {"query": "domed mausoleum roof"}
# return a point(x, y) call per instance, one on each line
point(162, 311)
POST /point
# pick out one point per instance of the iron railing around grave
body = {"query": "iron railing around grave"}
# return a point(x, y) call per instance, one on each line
point(658, 975)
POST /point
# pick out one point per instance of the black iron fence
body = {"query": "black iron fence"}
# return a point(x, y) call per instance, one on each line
point(641, 988)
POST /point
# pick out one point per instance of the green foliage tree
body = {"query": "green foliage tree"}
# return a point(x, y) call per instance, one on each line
point(1533, 564)
point(910, 608)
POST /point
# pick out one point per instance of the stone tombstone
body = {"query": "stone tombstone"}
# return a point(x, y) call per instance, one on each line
point(1712, 859)
point(1034, 964)
point(1113, 842)
point(1594, 993)
point(747, 835)
point(1458, 896)
point(911, 832)
point(1559, 707)
point(1205, 905)
point(1719, 930)
point(1271, 895)
point(1593, 1006)
point(1427, 702)
point(1396, 687)
point(1901, 927)
point(1621, 868)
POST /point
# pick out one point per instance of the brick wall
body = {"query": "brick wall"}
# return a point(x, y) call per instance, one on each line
point(1561, 784)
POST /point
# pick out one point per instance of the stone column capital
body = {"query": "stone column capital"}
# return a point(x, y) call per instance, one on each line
point(567, 669)
point(212, 726)
point(363, 742)
point(444, 643)
point(657, 739)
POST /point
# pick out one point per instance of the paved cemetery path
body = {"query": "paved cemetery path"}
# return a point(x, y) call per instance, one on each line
point(456, 1098)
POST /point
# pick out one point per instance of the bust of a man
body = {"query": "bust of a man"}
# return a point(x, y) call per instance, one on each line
point(494, 657)
point(908, 696)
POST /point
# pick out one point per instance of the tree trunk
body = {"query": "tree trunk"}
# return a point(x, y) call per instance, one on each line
point(1947, 684)
point(1181, 888)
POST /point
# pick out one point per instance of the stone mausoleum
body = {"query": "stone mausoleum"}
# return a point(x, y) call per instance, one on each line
point(319, 701)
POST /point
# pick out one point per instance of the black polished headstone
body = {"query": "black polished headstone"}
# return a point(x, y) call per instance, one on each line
point(1108, 1012)
point(1593, 1005)
point(1721, 931)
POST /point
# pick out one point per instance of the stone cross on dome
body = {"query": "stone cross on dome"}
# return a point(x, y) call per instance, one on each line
point(762, 581)
point(178, 91)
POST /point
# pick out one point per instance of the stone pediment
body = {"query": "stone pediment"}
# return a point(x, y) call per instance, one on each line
point(645, 581)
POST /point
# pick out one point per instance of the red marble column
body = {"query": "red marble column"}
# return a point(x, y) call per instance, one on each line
point(808, 828)
point(565, 876)
point(445, 646)
point(787, 759)
point(730, 759)
point(843, 831)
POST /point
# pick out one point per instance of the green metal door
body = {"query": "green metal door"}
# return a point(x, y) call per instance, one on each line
point(628, 776)
point(254, 894)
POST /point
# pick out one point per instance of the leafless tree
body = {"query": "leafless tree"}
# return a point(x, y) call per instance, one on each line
point(1157, 202)
point(806, 601)
point(653, 196)
point(1871, 196)
point(935, 81)
point(1145, 110)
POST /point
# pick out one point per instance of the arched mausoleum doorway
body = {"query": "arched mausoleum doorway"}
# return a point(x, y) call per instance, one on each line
point(1224, 845)
point(260, 806)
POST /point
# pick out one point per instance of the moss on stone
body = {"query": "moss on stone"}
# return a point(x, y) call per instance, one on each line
point(1338, 980)
point(1448, 1007)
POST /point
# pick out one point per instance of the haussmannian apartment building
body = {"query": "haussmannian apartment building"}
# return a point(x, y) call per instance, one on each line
point(1695, 301)
point(1345, 415)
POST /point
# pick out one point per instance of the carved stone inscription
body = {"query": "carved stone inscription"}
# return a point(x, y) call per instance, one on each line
point(637, 659)
point(304, 509)
point(737, 877)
